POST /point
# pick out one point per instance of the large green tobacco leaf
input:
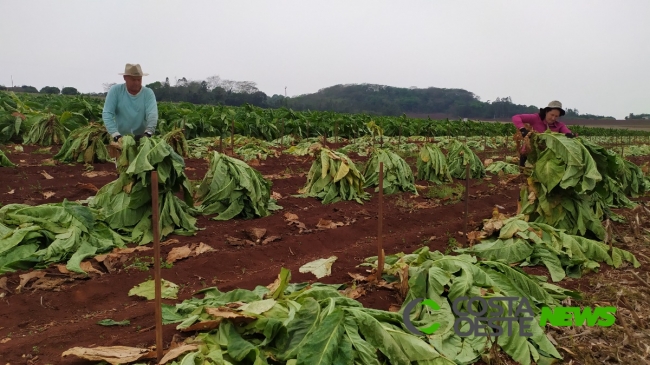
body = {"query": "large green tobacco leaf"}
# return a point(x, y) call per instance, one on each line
point(231, 189)
point(397, 173)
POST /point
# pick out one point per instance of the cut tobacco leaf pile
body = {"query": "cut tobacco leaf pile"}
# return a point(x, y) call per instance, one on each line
point(176, 139)
point(442, 278)
point(334, 177)
point(432, 165)
point(36, 236)
point(503, 167)
point(4, 161)
point(398, 175)
point(288, 323)
point(125, 204)
point(459, 156)
point(86, 144)
point(573, 183)
point(47, 129)
point(231, 189)
point(514, 240)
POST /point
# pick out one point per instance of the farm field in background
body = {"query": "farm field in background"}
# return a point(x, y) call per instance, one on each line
point(40, 322)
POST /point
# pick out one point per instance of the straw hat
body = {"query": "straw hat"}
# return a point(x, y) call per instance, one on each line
point(555, 105)
point(133, 70)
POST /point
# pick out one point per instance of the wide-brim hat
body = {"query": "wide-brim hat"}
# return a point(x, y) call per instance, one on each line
point(555, 105)
point(133, 69)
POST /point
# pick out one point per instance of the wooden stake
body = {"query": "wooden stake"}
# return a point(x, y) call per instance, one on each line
point(380, 249)
point(232, 137)
point(336, 132)
point(155, 223)
point(467, 173)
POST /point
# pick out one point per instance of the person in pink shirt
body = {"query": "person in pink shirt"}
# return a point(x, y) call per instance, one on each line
point(546, 119)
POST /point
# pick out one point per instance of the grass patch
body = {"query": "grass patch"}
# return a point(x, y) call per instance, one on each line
point(448, 193)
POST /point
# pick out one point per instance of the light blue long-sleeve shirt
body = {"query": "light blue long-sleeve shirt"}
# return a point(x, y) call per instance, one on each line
point(130, 114)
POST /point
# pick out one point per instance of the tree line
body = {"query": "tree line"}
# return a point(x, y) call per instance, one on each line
point(352, 98)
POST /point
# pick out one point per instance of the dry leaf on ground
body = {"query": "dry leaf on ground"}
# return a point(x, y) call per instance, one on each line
point(3, 284)
point(255, 234)
point(26, 278)
point(113, 355)
point(46, 175)
point(290, 217)
point(178, 253)
point(328, 224)
point(320, 267)
point(87, 186)
point(358, 277)
point(234, 241)
point(475, 237)
point(271, 239)
point(171, 241)
point(92, 174)
point(11, 191)
point(48, 284)
point(276, 195)
point(48, 194)
point(354, 293)
point(177, 351)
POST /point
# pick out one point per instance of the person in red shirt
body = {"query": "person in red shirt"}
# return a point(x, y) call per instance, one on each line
point(546, 119)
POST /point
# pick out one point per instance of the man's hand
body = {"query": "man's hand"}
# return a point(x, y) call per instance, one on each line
point(524, 132)
point(117, 142)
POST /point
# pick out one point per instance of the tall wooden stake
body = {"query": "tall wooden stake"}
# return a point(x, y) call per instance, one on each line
point(336, 132)
point(380, 238)
point(467, 173)
point(156, 268)
point(232, 137)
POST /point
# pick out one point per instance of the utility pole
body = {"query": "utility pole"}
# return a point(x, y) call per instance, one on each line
point(12, 81)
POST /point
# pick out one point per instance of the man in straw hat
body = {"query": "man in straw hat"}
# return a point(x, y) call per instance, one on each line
point(130, 108)
point(547, 118)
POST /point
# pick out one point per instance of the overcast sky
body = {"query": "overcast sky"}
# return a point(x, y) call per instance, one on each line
point(593, 55)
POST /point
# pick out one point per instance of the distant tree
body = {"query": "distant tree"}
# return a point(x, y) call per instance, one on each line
point(50, 90)
point(69, 91)
point(3, 88)
point(27, 89)
point(107, 86)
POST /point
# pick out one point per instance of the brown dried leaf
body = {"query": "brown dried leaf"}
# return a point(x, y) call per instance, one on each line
point(488, 162)
point(234, 241)
point(11, 191)
point(48, 194)
point(203, 326)
point(3, 284)
point(88, 267)
point(172, 241)
point(354, 293)
point(113, 355)
point(290, 217)
point(358, 277)
point(92, 174)
point(328, 224)
point(46, 175)
point(254, 162)
point(87, 186)
point(475, 237)
point(178, 253)
point(225, 312)
point(26, 278)
point(48, 284)
point(177, 351)
point(5, 340)
point(201, 248)
point(276, 195)
point(255, 234)
point(394, 308)
point(271, 239)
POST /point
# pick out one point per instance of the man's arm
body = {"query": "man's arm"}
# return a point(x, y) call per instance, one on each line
point(108, 114)
point(151, 112)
